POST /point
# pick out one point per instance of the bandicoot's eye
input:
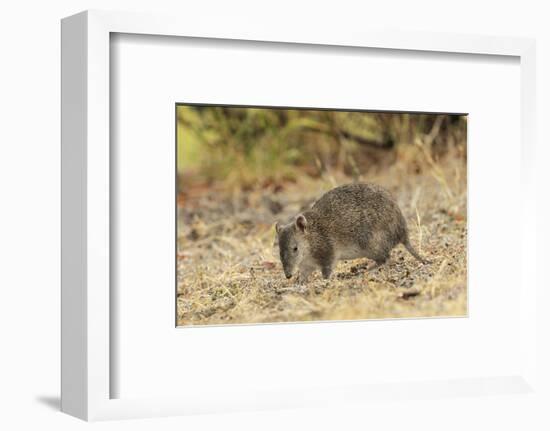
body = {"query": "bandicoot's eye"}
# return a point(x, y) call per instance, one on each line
point(295, 248)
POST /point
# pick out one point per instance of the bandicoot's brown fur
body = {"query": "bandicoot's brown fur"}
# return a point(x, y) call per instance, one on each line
point(348, 222)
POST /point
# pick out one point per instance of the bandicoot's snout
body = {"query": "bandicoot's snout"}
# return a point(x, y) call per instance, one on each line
point(288, 276)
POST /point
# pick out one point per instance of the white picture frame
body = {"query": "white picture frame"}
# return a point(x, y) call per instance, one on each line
point(86, 313)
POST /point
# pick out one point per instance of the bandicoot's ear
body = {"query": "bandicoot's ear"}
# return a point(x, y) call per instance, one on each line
point(301, 222)
point(277, 227)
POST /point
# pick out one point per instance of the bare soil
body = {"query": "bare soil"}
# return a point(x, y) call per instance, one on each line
point(229, 270)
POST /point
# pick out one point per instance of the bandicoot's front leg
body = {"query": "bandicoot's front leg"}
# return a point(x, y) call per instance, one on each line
point(326, 260)
point(327, 271)
point(327, 266)
point(304, 273)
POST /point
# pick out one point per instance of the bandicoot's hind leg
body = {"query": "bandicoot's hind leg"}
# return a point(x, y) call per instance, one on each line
point(379, 261)
point(412, 251)
point(374, 266)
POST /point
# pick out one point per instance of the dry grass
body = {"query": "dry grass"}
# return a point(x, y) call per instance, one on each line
point(229, 271)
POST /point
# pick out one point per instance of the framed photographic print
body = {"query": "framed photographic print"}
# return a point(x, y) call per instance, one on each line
point(267, 218)
point(270, 194)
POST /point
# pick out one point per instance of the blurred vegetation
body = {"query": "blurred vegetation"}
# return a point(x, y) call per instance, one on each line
point(251, 146)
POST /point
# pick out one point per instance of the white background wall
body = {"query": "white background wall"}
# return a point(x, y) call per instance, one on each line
point(30, 200)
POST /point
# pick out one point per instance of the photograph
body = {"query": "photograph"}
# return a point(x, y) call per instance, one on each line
point(294, 214)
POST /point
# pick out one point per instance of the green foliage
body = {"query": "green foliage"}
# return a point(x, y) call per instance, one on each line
point(247, 145)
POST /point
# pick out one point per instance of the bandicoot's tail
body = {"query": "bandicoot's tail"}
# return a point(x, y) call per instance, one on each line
point(412, 251)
